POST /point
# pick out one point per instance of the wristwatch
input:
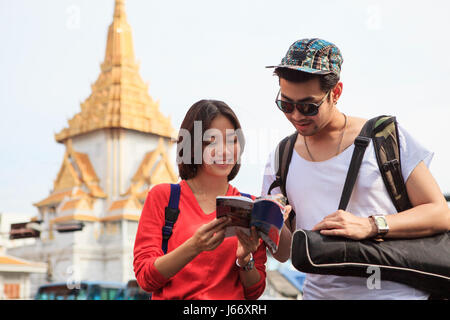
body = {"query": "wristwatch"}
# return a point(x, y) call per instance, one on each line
point(382, 226)
point(249, 266)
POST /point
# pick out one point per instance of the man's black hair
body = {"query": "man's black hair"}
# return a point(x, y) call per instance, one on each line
point(327, 81)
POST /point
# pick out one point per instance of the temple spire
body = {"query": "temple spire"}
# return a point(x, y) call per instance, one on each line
point(119, 46)
point(119, 9)
point(119, 97)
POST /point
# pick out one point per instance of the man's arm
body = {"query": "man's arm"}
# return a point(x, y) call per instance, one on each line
point(284, 246)
point(430, 213)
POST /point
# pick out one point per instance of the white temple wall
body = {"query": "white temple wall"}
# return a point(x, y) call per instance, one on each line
point(94, 144)
point(133, 147)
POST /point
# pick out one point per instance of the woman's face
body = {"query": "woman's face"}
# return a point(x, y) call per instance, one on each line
point(222, 149)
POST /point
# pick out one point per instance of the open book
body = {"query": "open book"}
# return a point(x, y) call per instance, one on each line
point(265, 213)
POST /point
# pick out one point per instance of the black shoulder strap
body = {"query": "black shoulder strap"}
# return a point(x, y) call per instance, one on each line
point(361, 143)
point(171, 215)
point(247, 195)
point(283, 155)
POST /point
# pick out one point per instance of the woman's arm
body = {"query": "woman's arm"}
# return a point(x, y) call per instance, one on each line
point(254, 280)
point(208, 237)
point(247, 245)
point(152, 268)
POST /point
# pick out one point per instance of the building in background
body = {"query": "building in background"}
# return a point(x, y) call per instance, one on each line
point(8, 218)
point(116, 148)
point(15, 272)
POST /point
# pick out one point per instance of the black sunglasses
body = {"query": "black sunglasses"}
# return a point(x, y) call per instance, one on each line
point(305, 108)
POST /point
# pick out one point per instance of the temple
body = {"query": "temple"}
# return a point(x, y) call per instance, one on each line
point(116, 149)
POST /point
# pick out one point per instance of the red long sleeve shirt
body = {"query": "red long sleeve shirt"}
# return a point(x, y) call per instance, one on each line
point(212, 275)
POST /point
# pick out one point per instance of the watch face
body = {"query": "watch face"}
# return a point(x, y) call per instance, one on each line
point(381, 222)
point(250, 265)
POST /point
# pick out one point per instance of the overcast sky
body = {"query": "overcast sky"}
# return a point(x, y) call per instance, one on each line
point(395, 53)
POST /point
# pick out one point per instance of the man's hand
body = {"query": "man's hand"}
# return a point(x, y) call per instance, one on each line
point(345, 224)
point(287, 210)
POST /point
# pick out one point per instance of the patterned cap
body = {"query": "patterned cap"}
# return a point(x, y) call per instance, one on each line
point(312, 56)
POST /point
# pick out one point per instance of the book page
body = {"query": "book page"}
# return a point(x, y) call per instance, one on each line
point(239, 209)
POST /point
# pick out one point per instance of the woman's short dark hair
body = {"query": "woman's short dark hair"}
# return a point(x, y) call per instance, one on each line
point(205, 111)
point(327, 81)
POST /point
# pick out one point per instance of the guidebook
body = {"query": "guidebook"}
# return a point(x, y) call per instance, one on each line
point(265, 213)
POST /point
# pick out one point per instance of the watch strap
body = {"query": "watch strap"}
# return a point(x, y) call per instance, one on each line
point(250, 264)
point(381, 232)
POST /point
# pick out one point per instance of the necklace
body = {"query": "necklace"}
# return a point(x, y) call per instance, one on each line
point(340, 141)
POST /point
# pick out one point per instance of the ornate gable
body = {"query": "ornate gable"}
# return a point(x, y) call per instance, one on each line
point(155, 168)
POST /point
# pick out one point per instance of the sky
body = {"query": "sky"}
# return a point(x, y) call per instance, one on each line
point(395, 62)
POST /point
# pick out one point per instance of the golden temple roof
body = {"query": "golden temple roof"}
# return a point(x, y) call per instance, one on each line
point(119, 97)
point(76, 171)
point(155, 168)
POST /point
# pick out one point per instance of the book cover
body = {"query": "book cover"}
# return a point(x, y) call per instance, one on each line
point(265, 213)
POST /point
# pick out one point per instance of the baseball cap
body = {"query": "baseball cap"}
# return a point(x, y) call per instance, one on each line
point(313, 56)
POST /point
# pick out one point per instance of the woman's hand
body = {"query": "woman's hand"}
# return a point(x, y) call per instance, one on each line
point(209, 236)
point(247, 244)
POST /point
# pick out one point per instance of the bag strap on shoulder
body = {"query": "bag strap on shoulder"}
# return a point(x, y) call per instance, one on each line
point(387, 149)
point(283, 155)
point(246, 195)
point(361, 143)
point(171, 214)
point(383, 131)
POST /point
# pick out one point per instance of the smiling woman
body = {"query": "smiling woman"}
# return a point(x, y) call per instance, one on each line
point(210, 145)
point(198, 137)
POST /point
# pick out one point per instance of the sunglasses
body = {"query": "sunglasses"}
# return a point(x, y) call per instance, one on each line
point(305, 108)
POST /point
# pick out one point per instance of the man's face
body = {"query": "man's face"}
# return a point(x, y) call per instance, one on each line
point(308, 91)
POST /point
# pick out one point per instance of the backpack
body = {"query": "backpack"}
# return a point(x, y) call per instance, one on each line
point(171, 213)
point(383, 131)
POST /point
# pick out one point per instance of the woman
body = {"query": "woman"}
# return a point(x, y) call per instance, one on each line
point(200, 262)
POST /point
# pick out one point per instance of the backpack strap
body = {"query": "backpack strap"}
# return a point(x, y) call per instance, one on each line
point(246, 195)
point(172, 211)
point(387, 149)
point(383, 131)
point(361, 143)
point(171, 215)
point(283, 155)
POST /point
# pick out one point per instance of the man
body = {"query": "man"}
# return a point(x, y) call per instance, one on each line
point(309, 92)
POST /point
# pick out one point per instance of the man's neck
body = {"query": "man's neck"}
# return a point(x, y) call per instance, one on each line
point(332, 129)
